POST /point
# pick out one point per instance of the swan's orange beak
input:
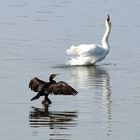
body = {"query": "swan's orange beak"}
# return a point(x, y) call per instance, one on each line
point(108, 18)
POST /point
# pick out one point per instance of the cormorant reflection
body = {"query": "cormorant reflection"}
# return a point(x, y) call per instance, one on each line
point(42, 117)
point(98, 79)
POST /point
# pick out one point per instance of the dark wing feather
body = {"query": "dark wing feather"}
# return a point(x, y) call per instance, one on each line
point(61, 88)
point(37, 85)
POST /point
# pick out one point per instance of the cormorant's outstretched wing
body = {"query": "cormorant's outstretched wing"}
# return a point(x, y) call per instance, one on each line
point(37, 85)
point(61, 88)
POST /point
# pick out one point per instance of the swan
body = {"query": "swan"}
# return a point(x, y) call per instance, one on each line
point(89, 54)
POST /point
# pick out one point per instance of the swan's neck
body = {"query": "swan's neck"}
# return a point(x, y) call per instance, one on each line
point(105, 43)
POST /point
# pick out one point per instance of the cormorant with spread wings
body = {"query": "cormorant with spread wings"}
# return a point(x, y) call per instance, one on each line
point(52, 87)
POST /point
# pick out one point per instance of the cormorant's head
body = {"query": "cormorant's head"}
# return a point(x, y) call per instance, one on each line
point(52, 76)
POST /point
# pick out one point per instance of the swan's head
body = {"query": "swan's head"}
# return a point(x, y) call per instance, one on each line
point(108, 18)
point(108, 21)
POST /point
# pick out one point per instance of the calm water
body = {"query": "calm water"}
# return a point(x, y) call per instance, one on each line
point(33, 38)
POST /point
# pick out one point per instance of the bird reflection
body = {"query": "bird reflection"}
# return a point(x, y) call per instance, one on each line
point(41, 117)
point(54, 120)
point(98, 79)
point(90, 76)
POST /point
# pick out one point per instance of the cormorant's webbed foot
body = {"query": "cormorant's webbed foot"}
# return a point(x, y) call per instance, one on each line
point(46, 101)
point(49, 101)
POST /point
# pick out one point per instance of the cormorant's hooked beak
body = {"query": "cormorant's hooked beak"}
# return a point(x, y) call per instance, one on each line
point(57, 74)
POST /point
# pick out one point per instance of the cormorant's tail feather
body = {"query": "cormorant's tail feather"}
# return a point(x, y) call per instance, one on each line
point(35, 97)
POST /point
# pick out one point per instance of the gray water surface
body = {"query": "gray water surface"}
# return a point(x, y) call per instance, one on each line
point(33, 38)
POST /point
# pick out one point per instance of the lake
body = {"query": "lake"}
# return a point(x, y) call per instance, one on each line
point(34, 36)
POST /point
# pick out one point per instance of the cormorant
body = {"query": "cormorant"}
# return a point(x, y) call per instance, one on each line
point(52, 87)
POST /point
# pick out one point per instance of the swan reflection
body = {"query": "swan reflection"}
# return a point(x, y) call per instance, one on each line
point(97, 79)
point(90, 76)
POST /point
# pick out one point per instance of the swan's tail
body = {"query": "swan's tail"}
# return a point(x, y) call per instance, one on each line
point(73, 50)
point(80, 58)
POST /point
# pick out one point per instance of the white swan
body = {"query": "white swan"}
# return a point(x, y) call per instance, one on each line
point(88, 54)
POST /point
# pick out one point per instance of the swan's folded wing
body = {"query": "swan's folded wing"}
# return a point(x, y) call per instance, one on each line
point(36, 84)
point(62, 88)
point(92, 50)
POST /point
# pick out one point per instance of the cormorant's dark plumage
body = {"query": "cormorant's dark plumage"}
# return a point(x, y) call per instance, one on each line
point(52, 87)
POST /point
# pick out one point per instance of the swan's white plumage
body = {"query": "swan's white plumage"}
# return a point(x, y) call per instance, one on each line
point(87, 54)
